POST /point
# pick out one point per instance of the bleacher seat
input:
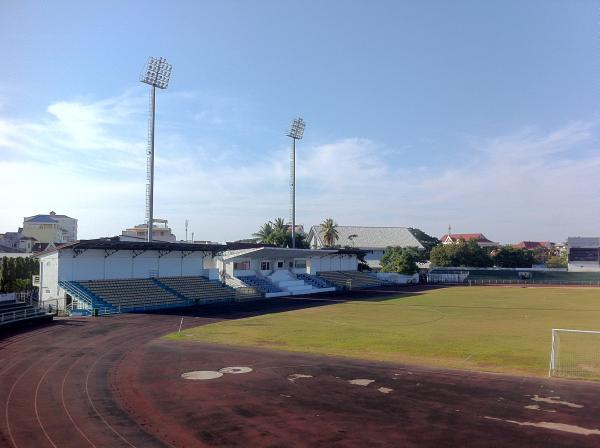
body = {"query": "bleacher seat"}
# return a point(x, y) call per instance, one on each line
point(133, 293)
point(351, 279)
point(12, 311)
point(316, 281)
point(262, 284)
point(199, 289)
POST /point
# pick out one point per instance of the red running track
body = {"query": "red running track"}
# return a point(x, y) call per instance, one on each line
point(110, 382)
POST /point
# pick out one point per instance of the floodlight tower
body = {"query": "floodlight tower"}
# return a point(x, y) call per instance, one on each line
point(296, 133)
point(156, 74)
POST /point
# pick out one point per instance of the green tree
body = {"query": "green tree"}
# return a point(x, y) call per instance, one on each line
point(329, 232)
point(509, 257)
point(463, 253)
point(428, 241)
point(557, 261)
point(279, 234)
point(400, 260)
point(265, 233)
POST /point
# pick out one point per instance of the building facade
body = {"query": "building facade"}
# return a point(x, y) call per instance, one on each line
point(372, 240)
point(479, 238)
point(160, 232)
point(50, 228)
point(583, 254)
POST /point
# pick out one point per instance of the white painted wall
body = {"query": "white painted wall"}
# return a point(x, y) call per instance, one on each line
point(49, 277)
point(93, 265)
point(332, 263)
point(584, 266)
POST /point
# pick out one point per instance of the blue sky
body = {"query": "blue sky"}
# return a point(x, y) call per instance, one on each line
point(483, 115)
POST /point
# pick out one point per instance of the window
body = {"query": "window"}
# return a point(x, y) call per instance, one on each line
point(300, 263)
point(265, 265)
point(280, 264)
point(241, 265)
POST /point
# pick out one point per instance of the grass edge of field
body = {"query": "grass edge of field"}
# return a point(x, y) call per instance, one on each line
point(398, 357)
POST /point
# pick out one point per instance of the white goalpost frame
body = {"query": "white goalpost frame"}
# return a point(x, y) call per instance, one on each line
point(553, 352)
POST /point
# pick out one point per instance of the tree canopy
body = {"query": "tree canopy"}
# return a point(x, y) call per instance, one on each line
point(462, 253)
point(278, 233)
point(509, 257)
point(557, 261)
point(16, 273)
point(329, 232)
point(400, 260)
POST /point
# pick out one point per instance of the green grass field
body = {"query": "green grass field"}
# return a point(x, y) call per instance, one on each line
point(478, 328)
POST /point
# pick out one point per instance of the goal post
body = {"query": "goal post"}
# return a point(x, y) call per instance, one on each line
point(575, 353)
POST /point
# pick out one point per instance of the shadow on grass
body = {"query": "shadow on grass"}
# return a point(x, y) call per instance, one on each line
point(241, 310)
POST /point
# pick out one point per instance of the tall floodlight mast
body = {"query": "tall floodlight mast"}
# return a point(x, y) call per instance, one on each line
point(296, 133)
point(156, 74)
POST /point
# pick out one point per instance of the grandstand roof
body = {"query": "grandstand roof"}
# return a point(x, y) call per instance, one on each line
point(371, 237)
point(115, 244)
point(274, 252)
point(579, 242)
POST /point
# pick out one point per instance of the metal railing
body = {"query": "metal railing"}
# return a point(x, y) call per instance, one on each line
point(488, 282)
point(13, 316)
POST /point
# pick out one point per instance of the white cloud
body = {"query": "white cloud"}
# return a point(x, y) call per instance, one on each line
point(86, 159)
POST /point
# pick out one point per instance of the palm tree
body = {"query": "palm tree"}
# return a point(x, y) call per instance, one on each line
point(329, 232)
point(279, 224)
point(265, 233)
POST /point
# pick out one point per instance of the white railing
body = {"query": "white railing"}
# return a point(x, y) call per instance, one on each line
point(12, 316)
point(8, 297)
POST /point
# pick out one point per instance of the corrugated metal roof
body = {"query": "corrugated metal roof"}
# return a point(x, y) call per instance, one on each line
point(581, 242)
point(372, 237)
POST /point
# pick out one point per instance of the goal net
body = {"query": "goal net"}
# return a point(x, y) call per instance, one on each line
point(575, 353)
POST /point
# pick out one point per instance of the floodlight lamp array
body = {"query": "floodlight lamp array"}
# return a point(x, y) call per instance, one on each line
point(297, 129)
point(157, 73)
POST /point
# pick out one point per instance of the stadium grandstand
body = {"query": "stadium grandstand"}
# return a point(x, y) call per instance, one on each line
point(584, 254)
point(110, 275)
point(13, 311)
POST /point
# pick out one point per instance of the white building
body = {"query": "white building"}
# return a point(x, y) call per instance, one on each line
point(50, 228)
point(584, 254)
point(104, 259)
point(160, 232)
point(274, 271)
point(373, 240)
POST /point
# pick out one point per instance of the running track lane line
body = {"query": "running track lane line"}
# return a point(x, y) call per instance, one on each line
point(93, 366)
point(9, 397)
point(10, 393)
point(62, 392)
point(64, 405)
point(66, 375)
point(35, 401)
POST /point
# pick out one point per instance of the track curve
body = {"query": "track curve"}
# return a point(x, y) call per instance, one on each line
point(111, 382)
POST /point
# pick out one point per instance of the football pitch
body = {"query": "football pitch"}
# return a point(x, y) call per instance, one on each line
point(493, 329)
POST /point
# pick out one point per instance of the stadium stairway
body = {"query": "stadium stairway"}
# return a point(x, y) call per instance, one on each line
point(263, 284)
point(295, 285)
point(88, 298)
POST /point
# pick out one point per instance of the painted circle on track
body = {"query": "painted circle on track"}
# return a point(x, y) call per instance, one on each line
point(235, 370)
point(201, 375)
